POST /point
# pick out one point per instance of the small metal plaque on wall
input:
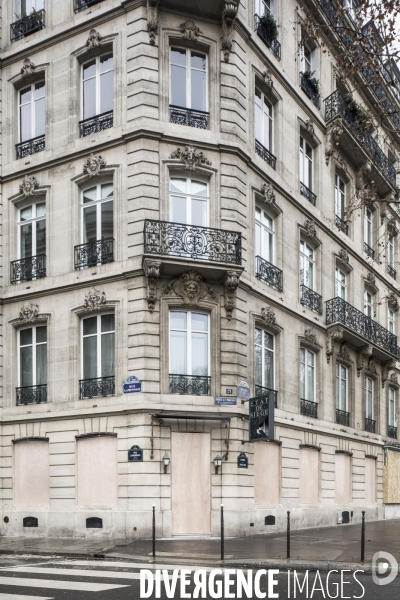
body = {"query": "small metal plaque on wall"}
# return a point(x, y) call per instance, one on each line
point(242, 461)
point(135, 454)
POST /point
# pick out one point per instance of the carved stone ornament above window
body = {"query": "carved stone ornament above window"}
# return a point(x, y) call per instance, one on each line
point(310, 339)
point(343, 256)
point(94, 299)
point(152, 20)
point(152, 273)
point(228, 20)
point(28, 312)
point(267, 76)
point(268, 315)
point(28, 185)
point(28, 68)
point(310, 229)
point(93, 165)
point(392, 300)
point(191, 158)
point(93, 40)
point(191, 287)
point(310, 127)
point(267, 191)
point(370, 281)
point(190, 30)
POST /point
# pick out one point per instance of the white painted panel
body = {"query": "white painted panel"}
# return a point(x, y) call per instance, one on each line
point(370, 480)
point(309, 476)
point(343, 478)
point(31, 474)
point(266, 473)
point(97, 468)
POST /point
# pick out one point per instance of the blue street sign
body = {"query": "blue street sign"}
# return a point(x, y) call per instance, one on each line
point(132, 385)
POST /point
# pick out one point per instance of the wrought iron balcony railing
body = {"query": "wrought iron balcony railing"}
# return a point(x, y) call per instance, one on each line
point(342, 225)
point(29, 147)
point(265, 154)
point(27, 269)
point(340, 311)
point(368, 250)
point(34, 394)
point(342, 417)
point(391, 271)
point(269, 273)
point(392, 431)
point(187, 116)
point(96, 253)
point(96, 124)
point(336, 105)
point(191, 241)
point(307, 193)
point(369, 425)
point(97, 387)
point(82, 4)
point(309, 89)
point(262, 391)
point(190, 385)
point(28, 24)
point(310, 299)
point(308, 408)
point(266, 36)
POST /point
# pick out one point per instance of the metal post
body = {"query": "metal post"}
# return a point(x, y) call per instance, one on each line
point(222, 533)
point(154, 531)
point(288, 535)
point(363, 536)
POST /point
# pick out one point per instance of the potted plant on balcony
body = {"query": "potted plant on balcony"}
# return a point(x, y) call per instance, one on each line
point(313, 82)
point(270, 26)
point(360, 115)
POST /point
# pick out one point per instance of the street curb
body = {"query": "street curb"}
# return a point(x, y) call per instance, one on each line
point(298, 565)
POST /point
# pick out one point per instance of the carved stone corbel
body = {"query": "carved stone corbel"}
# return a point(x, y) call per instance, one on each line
point(344, 352)
point(333, 336)
point(386, 367)
point(152, 19)
point(333, 139)
point(231, 283)
point(363, 353)
point(228, 19)
point(152, 273)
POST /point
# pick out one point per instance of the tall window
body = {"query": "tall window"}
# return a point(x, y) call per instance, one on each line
point(340, 197)
point(97, 86)
point(341, 387)
point(306, 265)
point(392, 407)
point(97, 213)
point(391, 321)
point(263, 120)
point(264, 235)
point(32, 111)
point(189, 79)
point(264, 359)
point(306, 164)
point(368, 304)
point(32, 230)
point(307, 375)
point(263, 7)
point(341, 284)
point(306, 59)
point(98, 347)
point(25, 7)
point(33, 356)
point(390, 253)
point(189, 201)
point(368, 227)
point(369, 398)
point(189, 343)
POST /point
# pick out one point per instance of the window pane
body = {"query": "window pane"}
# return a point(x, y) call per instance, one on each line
point(258, 365)
point(107, 190)
point(26, 240)
point(41, 335)
point(26, 213)
point(26, 123)
point(178, 353)
point(107, 230)
point(178, 320)
point(178, 86)
point(268, 340)
point(198, 61)
point(302, 381)
point(310, 383)
point(106, 92)
point(89, 98)
point(177, 185)
point(25, 337)
point(26, 363)
point(108, 354)
point(199, 322)
point(40, 117)
point(178, 209)
point(40, 90)
point(269, 369)
point(199, 91)
point(41, 364)
point(40, 209)
point(199, 354)
point(178, 56)
point(89, 356)
point(107, 323)
point(90, 326)
point(106, 63)
point(41, 237)
point(258, 337)
point(26, 96)
point(199, 213)
point(90, 224)
point(90, 195)
point(199, 188)
point(89, 70)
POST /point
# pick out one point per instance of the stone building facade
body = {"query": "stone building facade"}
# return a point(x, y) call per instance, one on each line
point(179, 205)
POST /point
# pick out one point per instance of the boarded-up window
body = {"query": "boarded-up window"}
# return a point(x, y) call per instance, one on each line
point(370, 480)
point(391, 478)
point(31, 473)
point(343, 478)
point(266, 473)
point(97, 471)
point(309, 476)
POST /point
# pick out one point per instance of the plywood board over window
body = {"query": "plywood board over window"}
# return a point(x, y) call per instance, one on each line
point(343, 493)
point(266, 473)
point(391, 478)
point(309, 476)
point(31, 473)
point(370, 480)
point(97, 471)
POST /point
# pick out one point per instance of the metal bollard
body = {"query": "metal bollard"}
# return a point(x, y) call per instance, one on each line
point(222, 533)
point(154, 531)
point(363, 536)
point(288, 535)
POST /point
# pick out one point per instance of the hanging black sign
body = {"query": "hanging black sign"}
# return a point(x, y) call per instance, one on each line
point(261, 417)
point(242, 461)
point(135, 454)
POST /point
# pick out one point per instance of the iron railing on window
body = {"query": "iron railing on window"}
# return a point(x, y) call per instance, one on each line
point(342, 225)
point(265, 154)
point(97, 387)
point(191, 241)
point(307, 193)
point(266, 36)
point(29, 147)
point(82, 4)
point(191, 385)
point(310, 90)
point(96, 124)
point(260, 390)
point(392, 431)
point(187, 116)
point(368, 250)
point(27, 269)
point(28, 24)
point(369, 425)
point(33, 394)
point(96, 253)
point(391, 271)
point(269, 273)
point(310, 299)
point(340, 311)
point(342, 417)
point(308, 408)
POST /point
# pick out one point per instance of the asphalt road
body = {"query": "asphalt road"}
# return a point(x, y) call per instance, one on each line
point(43, 578)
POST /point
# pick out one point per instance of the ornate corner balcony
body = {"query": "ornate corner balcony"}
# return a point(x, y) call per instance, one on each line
point(28, 269)
point(268, 273)
point(83, 4)
point(98, 387)
point(96, 253)
point(260, 391)
point(33, 394)
point(265, 154)
point(96, 124)
point(342, 417)
point(392, 432)
point(310, 299)
point(189, 117)
point(267, 38)
point(190, 385)
point(28, 24)
point(307, 193)
point(391, 271)
point(309, 90)
point(29, 147)
point(342, 225)
point(359, 329)
point(368, 250)
point(308, 408)
point(370, 425)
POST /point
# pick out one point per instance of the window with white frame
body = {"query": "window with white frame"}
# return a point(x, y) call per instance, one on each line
point(188, 79)
point(391, 321)
point(390, 254)
point(264, 235)
point(306, 59)
point(263, 120)
point(369, 398)
point(368, 228)
point(26, 7)
point(189, 343)
point(263, 7)
point(32, 106)
point(264, 360)
point(97, 86)
point(98, 347)
point(306, 265)
point(189, 201)
point(32, 230)
point(32, 343)
point(307, 375)
point(392, 408)
point(306, 163)
point(368, 304)
point(340, 284)
point(340, 197)
point(341, 387)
